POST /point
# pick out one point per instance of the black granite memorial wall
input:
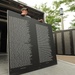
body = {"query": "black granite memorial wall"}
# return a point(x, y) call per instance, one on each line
point(0, 40)
point(30, 44)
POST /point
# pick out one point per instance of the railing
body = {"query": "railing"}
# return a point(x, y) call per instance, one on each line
point(65, 42)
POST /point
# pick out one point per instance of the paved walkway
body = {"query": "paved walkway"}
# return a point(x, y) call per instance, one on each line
point(62, 68)
point(67, 58)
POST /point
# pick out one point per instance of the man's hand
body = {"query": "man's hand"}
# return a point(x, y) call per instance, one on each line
point(40, 20)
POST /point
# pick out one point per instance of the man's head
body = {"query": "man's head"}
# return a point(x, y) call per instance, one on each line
point(24, 11)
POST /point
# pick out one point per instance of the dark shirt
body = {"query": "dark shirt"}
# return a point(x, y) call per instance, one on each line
point(25, 16)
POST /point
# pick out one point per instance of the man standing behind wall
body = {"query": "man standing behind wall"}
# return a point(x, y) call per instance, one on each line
point(24, 12)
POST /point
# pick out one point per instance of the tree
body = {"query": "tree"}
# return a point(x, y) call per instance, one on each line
point(52, 15)
point(71, 8)
point(72, 24)
point(69, 3)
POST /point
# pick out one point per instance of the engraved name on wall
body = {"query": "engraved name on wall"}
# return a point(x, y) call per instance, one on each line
point(20, 46)
point(45, 53)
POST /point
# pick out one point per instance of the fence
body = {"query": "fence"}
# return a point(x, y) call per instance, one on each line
point(65, 42)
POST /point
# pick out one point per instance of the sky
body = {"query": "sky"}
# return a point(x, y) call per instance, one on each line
point(49, 3)
point(38, 2)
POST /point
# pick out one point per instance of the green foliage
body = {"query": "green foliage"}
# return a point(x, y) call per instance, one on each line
point(52, 17)
point(71, 7)
point(72, 24)
point(65, 1)
point(57, 4)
